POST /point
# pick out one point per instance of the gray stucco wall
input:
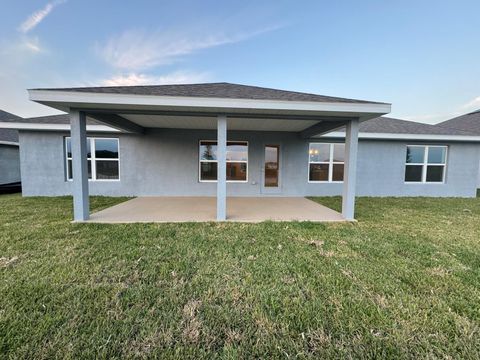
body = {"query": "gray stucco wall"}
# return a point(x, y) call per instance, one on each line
point(9, 164)
point(165, 162)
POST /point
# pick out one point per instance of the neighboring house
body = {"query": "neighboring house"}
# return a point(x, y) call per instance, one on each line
point(162, 141)
point(469, 122)
point(9, 154)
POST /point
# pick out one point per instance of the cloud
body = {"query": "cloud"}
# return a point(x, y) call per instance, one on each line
point(136, 50)
point(178, 77)
point(37, 17)
point(473, 104)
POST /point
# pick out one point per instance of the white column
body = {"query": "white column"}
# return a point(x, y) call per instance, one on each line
point(222, 168)
point(78, 133)
point(350, 172)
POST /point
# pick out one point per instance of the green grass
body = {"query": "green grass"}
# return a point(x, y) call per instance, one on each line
point(404, 282)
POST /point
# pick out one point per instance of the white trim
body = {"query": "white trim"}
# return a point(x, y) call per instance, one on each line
point(10, 143)
point(423, 137)
point(64, 98)
point(425, 164)
point(330, 163)
point(52, 127)
point(215, 161)
point(93, 159)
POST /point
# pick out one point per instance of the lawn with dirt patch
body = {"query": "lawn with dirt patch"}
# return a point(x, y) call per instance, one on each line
point(404, 282)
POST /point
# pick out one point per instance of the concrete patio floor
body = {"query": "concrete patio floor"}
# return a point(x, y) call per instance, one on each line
point(203, 209)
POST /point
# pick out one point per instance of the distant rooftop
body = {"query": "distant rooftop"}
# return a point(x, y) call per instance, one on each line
point(214, 90)
point(9, 135)
point(469, 122)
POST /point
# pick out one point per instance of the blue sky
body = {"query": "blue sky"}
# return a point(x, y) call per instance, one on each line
point(422, 56)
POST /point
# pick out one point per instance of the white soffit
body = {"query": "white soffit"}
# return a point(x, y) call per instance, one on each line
point(198, 122)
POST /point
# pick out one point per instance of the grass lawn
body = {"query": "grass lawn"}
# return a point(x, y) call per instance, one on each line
point(404, 282)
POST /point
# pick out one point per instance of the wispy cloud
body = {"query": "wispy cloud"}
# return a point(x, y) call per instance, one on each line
point(36, 18)
point(177, 77)
point(473, 104)
point(135, 50)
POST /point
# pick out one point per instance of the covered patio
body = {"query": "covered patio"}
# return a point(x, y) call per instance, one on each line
point(221, 107)
point(203, 209)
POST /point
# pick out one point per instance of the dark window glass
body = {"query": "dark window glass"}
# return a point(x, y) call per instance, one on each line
point(413, 173)
point(107, 170)
point(106, 148)
point(69, 148)
point(319, 152)
point(435, 173)
point(208, 171)
point(436, 155)
point(338, 153)
point(415, 154)
point(208, 150)
point(70, 169)
point(236, 171)
point(318, 172)
point(337, 172)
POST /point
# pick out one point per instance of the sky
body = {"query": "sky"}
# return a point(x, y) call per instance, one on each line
point(422, 56)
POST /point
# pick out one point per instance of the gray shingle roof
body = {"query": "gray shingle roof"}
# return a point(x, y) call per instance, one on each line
point(214, 90)
point(396, 126)
point(9, 135)
point(469, 122)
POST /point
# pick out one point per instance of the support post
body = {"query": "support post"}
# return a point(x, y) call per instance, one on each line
point(221, 168)
point(350, 171)
point(78, 133)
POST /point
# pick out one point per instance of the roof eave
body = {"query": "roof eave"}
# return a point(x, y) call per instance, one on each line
point(64, 100)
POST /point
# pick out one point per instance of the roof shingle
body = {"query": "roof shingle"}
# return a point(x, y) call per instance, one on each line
point(214, 90)
point(469, 122)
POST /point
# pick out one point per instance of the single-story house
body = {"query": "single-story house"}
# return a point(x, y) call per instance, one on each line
point(9, 155)
point(226, 140)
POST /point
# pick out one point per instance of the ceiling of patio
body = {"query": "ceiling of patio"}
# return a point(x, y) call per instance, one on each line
point(205, 122)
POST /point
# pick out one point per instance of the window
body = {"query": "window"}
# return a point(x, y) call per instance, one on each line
point(237, 161)
point(102, 157)
point(425, 164)
point(326, 162)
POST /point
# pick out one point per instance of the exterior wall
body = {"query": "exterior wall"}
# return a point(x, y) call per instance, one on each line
point(165, 162)
point(9, 164)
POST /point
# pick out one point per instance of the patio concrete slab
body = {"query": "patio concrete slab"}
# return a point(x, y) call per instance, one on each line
point(203, 209)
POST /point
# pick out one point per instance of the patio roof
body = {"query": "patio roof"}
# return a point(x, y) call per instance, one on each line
point(196, 106)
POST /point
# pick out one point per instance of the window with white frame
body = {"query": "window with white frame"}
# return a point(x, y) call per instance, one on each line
point(102, 158)
point(326, 162)
point(237, 161)
point(425, 164)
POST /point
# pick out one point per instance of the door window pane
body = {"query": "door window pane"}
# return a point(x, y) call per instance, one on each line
point(436, 155)
point(413, 173)
point(318, 172)
point(271, 166)
point(415, 154)
point(319, 152)
point(106, 148)
point(435, 173)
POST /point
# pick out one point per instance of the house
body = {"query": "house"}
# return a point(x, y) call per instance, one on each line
point(9, 156)
point(219, 139)
point(469, 122)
